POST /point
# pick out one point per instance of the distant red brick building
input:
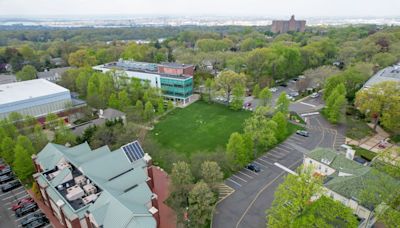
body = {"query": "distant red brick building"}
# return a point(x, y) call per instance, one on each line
point(292, 25)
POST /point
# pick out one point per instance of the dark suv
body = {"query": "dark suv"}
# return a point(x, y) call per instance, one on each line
point(253, 167)
point(6, 178)
point(34, 217)
point(10, 186)
point(26, 209)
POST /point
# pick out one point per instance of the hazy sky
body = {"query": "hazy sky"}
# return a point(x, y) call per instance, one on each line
point(302, 8)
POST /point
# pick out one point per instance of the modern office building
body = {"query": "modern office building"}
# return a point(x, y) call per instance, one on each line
point(36, 98)
point(174, 80)
point(292, 25)
point(87, 188)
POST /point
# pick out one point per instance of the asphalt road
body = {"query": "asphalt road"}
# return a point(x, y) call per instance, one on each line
point(254, 192)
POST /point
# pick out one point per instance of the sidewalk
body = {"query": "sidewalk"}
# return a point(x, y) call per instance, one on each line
point(53, 220)
point(161, 188)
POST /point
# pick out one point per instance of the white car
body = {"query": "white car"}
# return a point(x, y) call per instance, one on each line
point(273, 89)
point(314, 95)
point(289, 97)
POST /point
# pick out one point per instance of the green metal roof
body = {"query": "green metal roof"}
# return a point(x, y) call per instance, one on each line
point(125, 193)
point(356, 175)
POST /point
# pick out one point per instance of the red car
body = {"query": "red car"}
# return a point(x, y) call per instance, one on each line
point(21, 203)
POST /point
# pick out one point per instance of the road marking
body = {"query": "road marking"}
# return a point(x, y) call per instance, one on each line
point(265, 187)
point(323, 134)
point(250, 171)
point(234, 182)
point(265, 161)
point(233, 175)
point(309, 114)
point(14, 195)
point(311, 105)
point(273, 155)
point(286, 169)
point(287, 147)
point(6, 193)
point(245, 174)
point(19, 218)
point(260, 164)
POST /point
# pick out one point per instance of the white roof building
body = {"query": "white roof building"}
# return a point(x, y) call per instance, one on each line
point(391, 73)
point(37, 98)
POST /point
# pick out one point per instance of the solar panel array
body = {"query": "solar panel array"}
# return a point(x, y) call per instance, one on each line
point(133, 151)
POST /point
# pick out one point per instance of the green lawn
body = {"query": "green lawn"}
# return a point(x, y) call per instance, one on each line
point(357, 129)
point(198, 127)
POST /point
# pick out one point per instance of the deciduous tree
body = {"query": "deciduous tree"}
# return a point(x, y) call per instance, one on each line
point(28, 72)
point(23, 165)
point(211, 173)
point(201, 203)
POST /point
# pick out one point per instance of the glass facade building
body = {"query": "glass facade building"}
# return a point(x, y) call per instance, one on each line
point(177, 87)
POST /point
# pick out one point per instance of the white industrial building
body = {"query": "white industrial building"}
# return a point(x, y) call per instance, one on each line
point(36, 98)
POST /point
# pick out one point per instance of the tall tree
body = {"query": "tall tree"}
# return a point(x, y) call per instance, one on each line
point(292, 198)
point(281, 129)
point(211, 173)
point(236, 150)
point(23, 165)
point(227, 80)
point(238, 97)
point(28, 72)
point(265, 96)
point(7, 149)
point(26, 143)
point(201, 204)
point(326, 212)
point(148, 112)
point(282, 104)
point(381, 102)
point(256, 90)
point(209, 84)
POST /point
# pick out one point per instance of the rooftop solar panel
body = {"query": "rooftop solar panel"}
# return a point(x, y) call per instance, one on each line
point(133, 151)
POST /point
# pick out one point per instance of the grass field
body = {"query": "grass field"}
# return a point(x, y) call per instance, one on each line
point(198, 127)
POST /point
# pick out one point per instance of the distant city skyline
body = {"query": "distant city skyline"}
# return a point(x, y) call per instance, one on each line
point(248, 8)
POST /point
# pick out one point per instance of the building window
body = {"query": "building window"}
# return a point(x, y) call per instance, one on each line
point(310, 162)
point(319, 167)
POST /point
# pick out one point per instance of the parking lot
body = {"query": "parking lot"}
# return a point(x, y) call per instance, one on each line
point(7, 199)
point(253, 193)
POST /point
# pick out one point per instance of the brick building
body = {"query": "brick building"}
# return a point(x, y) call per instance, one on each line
point(292, 25)
point(98, 188)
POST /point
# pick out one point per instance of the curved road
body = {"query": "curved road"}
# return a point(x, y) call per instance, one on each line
point(254, 193)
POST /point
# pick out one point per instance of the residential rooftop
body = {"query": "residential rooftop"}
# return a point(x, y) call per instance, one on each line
point(391, 73)
point(25, 90)
point(350, 177)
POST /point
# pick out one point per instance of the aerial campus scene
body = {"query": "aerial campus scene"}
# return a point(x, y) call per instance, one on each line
point(220, 114)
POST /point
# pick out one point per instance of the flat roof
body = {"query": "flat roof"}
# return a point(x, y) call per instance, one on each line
point(19, 91)
point(391, 73)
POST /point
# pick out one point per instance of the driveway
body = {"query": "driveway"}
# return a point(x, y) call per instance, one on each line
point(254, 192)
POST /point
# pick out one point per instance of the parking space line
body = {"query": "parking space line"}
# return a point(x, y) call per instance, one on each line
point(282, 149)
point(229, 179)
point(260, 164)
point(233, 175)
point(4, 199)
point(297, 139)
point(266, 161)
point(18, 219)
point(17, 199)
point(6, 193)
point(250, 171)
point(273, 155)
point(245, 174)
point(287, 147)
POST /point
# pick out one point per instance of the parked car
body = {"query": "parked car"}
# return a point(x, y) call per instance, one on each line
point(253, 167)
point(273, 89)
point(34, 217)
point(2, 167)
point(289, 97)
point(6, 170)
point(38, 223)
point(314, 95)
point(302, 133)
point(6, 178)
point(294, 94)
point(26, 209)
point(22, 202)
point(10, 186)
